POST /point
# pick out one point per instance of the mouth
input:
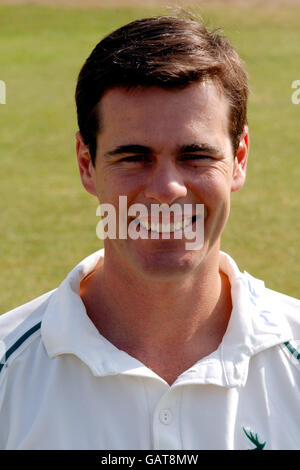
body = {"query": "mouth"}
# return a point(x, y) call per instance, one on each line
point(171, 227)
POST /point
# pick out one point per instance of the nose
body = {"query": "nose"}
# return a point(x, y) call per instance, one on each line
point(165, 184)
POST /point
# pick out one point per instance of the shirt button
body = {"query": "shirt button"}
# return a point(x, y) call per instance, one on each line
point(165, 416)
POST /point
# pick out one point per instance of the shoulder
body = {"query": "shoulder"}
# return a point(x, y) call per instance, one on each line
point(19, 327)
point(281, 309)
point(288, 307)
point(267, 301)
point(22, 357)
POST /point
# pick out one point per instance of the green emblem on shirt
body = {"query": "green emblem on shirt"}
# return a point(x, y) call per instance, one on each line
point(254, 439)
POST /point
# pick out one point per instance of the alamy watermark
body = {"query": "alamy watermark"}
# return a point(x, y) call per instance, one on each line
point(2, 92)
point(296, 95)
point(159, 221)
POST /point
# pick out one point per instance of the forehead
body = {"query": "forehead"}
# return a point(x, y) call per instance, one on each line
point(158, 113)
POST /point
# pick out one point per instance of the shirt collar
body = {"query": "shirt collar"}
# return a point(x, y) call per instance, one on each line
point(67, 329)
point(254, 325)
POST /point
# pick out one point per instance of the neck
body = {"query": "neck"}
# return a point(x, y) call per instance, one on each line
point(184, 318)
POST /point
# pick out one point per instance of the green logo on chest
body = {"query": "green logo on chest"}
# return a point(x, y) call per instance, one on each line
point(254, 439)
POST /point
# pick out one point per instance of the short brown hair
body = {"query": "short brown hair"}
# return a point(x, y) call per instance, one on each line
point(163, 51)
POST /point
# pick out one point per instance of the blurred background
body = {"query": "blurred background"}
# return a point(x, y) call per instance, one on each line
point(48, 221)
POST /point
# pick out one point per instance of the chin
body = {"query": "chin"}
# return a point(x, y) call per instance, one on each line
point(167, 265)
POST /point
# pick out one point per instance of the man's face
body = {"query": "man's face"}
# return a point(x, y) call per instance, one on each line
point(159, 146)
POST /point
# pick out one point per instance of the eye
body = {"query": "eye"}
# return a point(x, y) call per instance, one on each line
point(135, 158)
point(196, 160)
point(196, 157)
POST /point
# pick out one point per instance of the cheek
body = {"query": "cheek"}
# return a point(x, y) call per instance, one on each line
point(112, 184)
point(211, 187)
point(214, 191)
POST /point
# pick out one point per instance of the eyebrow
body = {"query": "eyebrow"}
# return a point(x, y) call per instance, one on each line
point(193, 148)
point(131, 148)
point(182, 149)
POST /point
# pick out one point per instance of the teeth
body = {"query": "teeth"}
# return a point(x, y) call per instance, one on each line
point(165, 228)
point(145, 225)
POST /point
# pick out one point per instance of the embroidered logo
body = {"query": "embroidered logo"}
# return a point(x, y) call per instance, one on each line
point(254, 439)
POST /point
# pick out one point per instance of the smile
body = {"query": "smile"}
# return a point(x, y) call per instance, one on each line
point(166, 228)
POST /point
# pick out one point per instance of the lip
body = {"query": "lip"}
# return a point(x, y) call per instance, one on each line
point(170, 219)
point(166, 231)
point(160, 220)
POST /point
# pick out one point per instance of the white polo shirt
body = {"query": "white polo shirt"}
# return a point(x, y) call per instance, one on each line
point(64, 386)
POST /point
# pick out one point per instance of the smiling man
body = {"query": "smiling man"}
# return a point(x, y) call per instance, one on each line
point(148, 344)
point(176, 148)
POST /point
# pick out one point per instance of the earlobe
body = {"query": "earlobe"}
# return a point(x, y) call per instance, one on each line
point(240, 162)
point(86, 169)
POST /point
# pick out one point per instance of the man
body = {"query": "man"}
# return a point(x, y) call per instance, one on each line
point(147, 344)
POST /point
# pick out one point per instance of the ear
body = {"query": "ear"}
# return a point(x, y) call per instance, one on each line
point(240, 161)
point(86, 168)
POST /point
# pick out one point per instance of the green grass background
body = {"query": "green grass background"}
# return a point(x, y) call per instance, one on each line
point(48, 221)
